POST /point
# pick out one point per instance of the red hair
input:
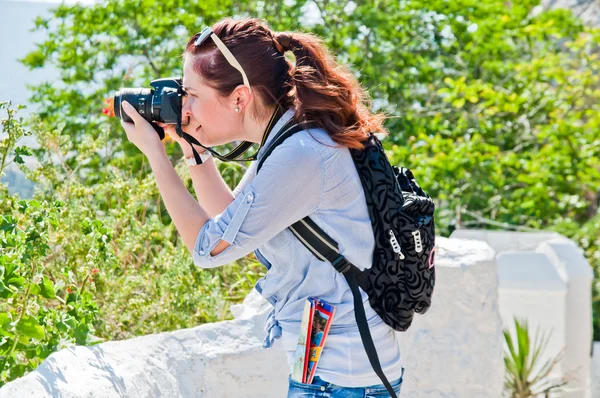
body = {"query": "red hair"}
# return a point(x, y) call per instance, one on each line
point(323, 92)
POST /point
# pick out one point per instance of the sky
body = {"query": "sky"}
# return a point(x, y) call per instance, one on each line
point(16, 40)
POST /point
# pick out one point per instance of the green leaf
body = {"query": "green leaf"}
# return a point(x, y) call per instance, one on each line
point(458, 103)
point(21, 151)
point(47, 288)
point(53, 221)
point(35, 289)
point(7, 224)
point(16, 281)
point(81, 334)
point(72, 297)
point(28, 326)
point(520, 379)
point(5, 323)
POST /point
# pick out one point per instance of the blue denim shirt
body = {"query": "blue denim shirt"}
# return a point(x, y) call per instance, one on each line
point(307, 175)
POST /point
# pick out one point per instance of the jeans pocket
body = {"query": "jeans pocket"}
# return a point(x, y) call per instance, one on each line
point(297, 390)
point(381, 391)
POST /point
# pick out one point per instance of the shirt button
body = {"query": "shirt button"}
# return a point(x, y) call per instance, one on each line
point(201, 252)
point(322, 388)
point(249, 198)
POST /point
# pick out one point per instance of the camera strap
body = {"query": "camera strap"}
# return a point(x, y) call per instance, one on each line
point(236, 154)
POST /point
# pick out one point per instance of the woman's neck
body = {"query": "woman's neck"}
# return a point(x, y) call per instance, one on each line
point(255, 129)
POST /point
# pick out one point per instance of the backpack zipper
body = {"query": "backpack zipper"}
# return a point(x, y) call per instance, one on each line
point(395, 245)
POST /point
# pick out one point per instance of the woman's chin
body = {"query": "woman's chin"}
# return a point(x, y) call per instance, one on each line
point(200, 136)
point(207, 141)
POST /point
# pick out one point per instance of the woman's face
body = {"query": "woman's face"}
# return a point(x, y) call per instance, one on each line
point(213, 120)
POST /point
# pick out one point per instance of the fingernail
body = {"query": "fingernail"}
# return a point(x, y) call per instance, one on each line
point(126, 104)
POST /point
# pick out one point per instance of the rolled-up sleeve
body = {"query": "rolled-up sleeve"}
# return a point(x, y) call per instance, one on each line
point(288, 188)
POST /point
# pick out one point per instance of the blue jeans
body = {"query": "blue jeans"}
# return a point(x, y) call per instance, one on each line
point(322, 389)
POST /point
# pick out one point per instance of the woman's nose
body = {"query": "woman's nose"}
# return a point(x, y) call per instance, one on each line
point(186, 110)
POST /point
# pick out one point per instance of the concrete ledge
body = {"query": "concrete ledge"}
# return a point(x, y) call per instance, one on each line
point(224, 359)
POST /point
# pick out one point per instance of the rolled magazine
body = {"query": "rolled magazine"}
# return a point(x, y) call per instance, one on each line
point(316, 321)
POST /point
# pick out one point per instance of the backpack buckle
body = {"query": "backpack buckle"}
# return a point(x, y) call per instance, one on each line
point(341, 264)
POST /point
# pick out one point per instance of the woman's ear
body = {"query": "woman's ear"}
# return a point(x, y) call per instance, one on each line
point(241, 98)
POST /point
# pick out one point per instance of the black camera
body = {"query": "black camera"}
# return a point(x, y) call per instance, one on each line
point(161, 103)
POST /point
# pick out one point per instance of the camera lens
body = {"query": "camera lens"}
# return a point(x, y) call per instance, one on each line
point(140, 98)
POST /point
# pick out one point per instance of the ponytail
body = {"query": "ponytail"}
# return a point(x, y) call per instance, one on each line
point(327, 94)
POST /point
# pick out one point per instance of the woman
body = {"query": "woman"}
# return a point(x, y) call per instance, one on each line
point(240, 86)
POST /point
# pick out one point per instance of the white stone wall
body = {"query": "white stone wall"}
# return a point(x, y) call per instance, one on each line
point(454, 351)
point(545, 278)
point(595, 387)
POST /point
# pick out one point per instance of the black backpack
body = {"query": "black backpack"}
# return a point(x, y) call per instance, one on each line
point(402, 276)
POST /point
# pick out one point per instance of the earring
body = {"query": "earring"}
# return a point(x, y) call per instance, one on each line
point(237, 110)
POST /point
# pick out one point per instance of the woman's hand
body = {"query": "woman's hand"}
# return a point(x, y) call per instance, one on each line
point(172, 133)
point(141, 133)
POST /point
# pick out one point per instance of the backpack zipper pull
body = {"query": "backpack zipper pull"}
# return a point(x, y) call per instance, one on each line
point(418, 244)
point(396, 245)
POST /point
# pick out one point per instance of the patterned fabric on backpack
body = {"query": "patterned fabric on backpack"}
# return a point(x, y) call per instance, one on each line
point(401, 279)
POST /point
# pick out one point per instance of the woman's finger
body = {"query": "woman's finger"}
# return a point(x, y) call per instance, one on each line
point(131, 112)
point(170, 131)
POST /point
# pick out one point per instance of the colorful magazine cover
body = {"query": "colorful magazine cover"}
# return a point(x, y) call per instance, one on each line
point(322, 316)
point(300, 362)
point(314, 327)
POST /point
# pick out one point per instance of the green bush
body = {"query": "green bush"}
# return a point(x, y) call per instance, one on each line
point(41, 309)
